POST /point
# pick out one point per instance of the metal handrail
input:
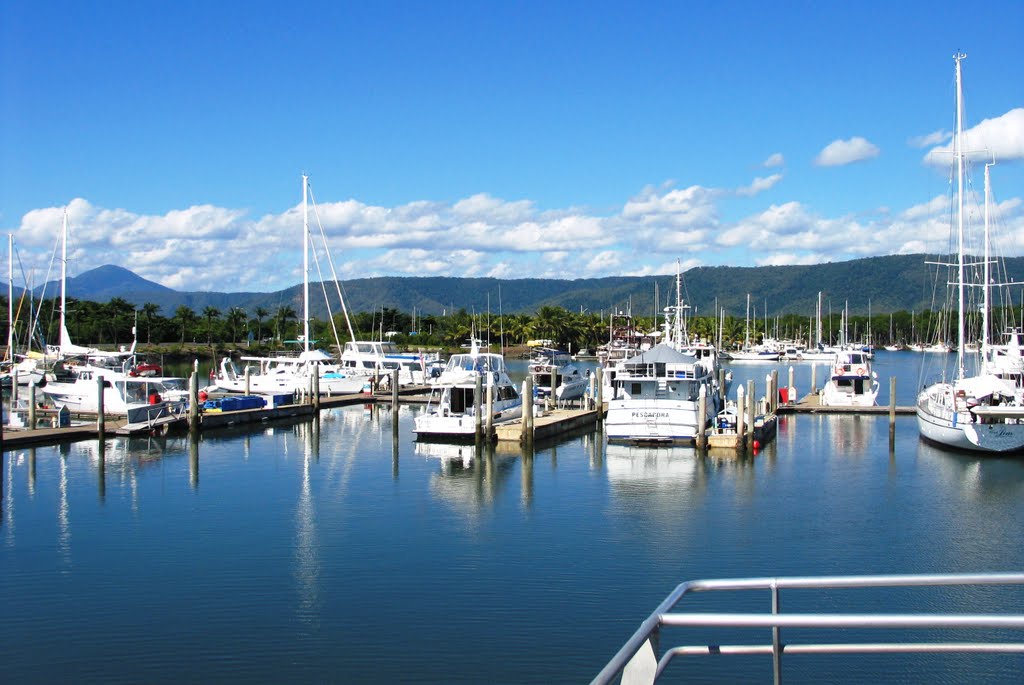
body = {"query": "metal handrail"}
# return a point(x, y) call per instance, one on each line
point(649, 673)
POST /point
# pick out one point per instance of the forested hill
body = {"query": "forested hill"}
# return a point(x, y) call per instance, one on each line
point(891, 283)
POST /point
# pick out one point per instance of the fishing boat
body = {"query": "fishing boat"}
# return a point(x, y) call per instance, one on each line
point(451, 410)
point(851, 383)
point(382, 357)
point(624, 340)
point(984, 411)
point(556, 377)
point(140, 399)
point(656, 398)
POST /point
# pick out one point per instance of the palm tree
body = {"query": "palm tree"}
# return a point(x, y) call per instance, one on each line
point(284, 314)
point(120, 314)
point(149, 310)
point(211, 314)
point(235, 318)
point(260, 314)
point(552, 323)
point(186, 318)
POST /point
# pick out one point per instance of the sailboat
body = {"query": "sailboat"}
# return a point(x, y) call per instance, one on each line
point(983, 412)
point(753, 353)
point(287, 374)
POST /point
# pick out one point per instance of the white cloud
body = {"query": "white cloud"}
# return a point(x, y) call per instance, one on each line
point(759, 185)
point(205, 247)
point(792, 259)
point(774, 160)
point(842, 152)
point(933, 138)
point(1001, 137)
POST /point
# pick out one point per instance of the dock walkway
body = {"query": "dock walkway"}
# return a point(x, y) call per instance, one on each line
point(811, 404)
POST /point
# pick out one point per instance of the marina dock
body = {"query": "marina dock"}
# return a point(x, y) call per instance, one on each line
point(546, 425)
point(811, 404)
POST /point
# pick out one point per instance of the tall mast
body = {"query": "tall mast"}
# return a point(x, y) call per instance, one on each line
point(746, 327)
point(817, 331)
point(10, 297)
point(65, 339)
point(305, 263)
point(959, 154)
point(988, 279)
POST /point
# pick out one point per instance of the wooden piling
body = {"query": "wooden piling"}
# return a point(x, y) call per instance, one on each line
point(527, 437)
point(14, 387)
point(814, 378)
point(741, 413)
point(791, 388)
point(248, 378)
point(892, 408)
point(193, 401)
point(702, 424)
point(315, 393)
point(600, 399)
point(32, 405)
point(477, 411)
point(101, 419)
point(394, 391)
point(773, 403)
point(490, 407)
point(750, 415)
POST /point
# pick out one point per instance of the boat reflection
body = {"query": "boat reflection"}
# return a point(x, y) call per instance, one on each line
point(977, 477)
point(470, 478)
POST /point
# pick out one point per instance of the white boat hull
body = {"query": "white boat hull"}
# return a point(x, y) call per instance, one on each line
point(961, 430)
point(443, 424)
point(654, 420)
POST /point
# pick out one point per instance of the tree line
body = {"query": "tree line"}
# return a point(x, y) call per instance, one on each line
point(117, 322)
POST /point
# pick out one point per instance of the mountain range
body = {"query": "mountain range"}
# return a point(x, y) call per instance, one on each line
point(890, 283)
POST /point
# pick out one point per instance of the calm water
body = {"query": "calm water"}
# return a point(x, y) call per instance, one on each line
point(344, 551)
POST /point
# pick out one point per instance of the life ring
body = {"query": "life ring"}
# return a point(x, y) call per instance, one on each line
point(840, 370)
point(862, 371)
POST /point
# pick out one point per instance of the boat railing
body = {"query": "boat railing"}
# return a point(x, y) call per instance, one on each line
point(638, 662)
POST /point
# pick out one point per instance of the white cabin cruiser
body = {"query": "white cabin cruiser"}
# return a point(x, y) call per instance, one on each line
point(656, 398)
point(451, 411)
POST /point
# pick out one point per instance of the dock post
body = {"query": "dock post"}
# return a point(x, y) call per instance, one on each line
point(892, 409)
point(722, 394)
point(14, 387)
point(490, 407)
point(702, 423)
point(590, 396)
point(750, 416)
point(741, 424)
point(101, 419)
point(600, 399)
point(773, 404)
point(32, 405)
point(248, 379)
point(316, 388)
point(394, 391)
point(527, 437)
point(814, 378)
point(193, 401)
point(790, 389)
point(477, 407)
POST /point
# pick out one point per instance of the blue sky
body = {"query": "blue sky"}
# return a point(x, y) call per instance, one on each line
point(567, 139)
